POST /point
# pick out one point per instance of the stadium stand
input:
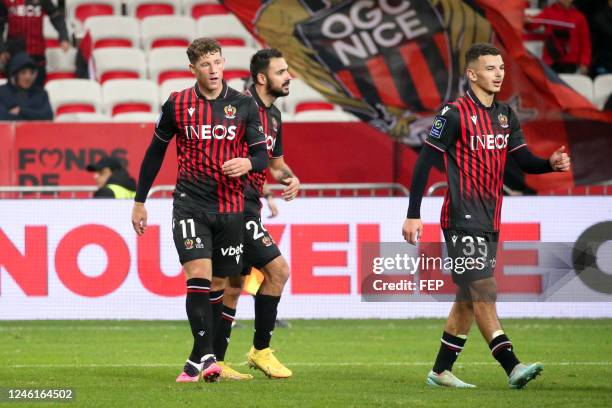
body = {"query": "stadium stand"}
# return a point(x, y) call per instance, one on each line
point(129, 95)
point(113, 31)
point(226, 29)
point(146, 8)
point(136, 117)
point(83, 117)
point(74, 96)
point(168, 63)
point(303, 98)
point(580, 83)
point(167, 31)
point(199, 8)
point(602, 89)
point(60, 64)
point(81, 10)
point(119, 62)
point(237, 62)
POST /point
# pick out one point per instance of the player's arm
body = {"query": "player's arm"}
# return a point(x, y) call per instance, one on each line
point(256, 142)
point(58, 21)
point(443, 134)
point(153, 159)
point(527, 161)
point(284, 175)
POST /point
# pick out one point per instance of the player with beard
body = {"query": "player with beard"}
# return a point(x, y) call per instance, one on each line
point(271, 77)
point(474, 134)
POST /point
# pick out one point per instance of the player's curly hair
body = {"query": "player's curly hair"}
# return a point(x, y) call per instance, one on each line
point(201, 47)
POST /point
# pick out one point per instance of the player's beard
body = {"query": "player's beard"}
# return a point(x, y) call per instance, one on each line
point(276, 92)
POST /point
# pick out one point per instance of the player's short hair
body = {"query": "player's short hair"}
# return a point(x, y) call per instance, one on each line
point(202, 46)
point(478, 50)
point(260, 61)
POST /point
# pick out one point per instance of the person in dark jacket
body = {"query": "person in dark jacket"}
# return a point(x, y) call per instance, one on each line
point(112, 179)
point(20, 98)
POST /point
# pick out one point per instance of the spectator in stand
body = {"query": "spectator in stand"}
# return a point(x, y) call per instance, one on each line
point(602, 40)
point(567, 47)
point(112, 179)
point(25, 30)
point(20, 97)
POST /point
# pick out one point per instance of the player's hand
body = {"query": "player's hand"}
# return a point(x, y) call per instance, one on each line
point(65, 46)
point(272, 207)
point(412, 230)
point(139, 218)
point(15, 110)
point(292, 189)
point(559, 160)
point(237, 167)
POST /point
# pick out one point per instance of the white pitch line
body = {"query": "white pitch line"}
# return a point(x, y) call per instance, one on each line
point(304, 364)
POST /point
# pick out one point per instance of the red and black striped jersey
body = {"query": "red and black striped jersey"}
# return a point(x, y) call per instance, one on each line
point(25, 22)
point(475, 140)
point(270, 118)
point(209, 133)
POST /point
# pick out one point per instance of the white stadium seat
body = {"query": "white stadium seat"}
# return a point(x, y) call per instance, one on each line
point(602, 89)
point(74, 95)
point(119, 63)
point(303, 98)
point(580, 83)
point(167, 31)
point(237, 62)
point(81, 10)
point(50, 33)
point(138, 117)
point(60, 64)
point(199, 8)
point(113, 31)
point(225, 28)
point(236, 83)
point(168, 63)
point(324, 116)
point(174, 85)
point(146, 8)
point(129, 95)
point(89, 117)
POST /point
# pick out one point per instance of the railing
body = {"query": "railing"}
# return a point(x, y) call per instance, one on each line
point(323, 189)
point(48, 191)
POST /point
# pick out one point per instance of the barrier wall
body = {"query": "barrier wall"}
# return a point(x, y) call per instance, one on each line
point(57, 153)
point(80, 259)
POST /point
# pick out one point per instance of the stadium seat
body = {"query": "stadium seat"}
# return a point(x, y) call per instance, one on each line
point(168, 63)
point(74, 96)
point(602, 89)
point(199, 8)
point(83, 117)
point(113, 31)
point(237, 62)
point(118, 63)
point(323, 116)
point(535, 47)
point(140, 117)
point(236, 83)
point(50, 33)
point(172, 85)
point(580, 83)
point(303, 98)
point(146, 8)
point(60, 64)
point(129, 95)
point(532, 11)
point(226, 29)
point(83, 9)
point(167, 31)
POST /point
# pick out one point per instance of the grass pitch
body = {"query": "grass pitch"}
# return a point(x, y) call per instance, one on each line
point(334, 362)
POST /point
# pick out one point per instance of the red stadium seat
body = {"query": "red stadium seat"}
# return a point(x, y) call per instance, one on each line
point(119, 63)
point(113, 31)
point(147, 8)
point(130, 95)
point(199, 8)
point(74, 96)
point(83, 9)
point(168, 63)
point(167, 31)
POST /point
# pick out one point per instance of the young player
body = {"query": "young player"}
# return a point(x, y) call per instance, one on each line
point(474, 134)
point(213, 124)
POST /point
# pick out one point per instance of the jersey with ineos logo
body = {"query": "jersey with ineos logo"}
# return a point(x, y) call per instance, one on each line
point(209, 133)
point(270, 118)
point(475, 140)
point(24, 19)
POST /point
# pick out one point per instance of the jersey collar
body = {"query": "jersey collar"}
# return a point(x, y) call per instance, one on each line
point(258, 100)
point(222, 95)
point(470, 94)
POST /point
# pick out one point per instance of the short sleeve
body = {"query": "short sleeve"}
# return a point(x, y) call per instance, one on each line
point(165, 127)
point(516, 140)
point(254, 130)
point(445, 128)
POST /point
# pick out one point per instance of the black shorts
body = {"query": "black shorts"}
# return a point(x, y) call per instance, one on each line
point(204, 235)
point(472, 253)
point(259, 247)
